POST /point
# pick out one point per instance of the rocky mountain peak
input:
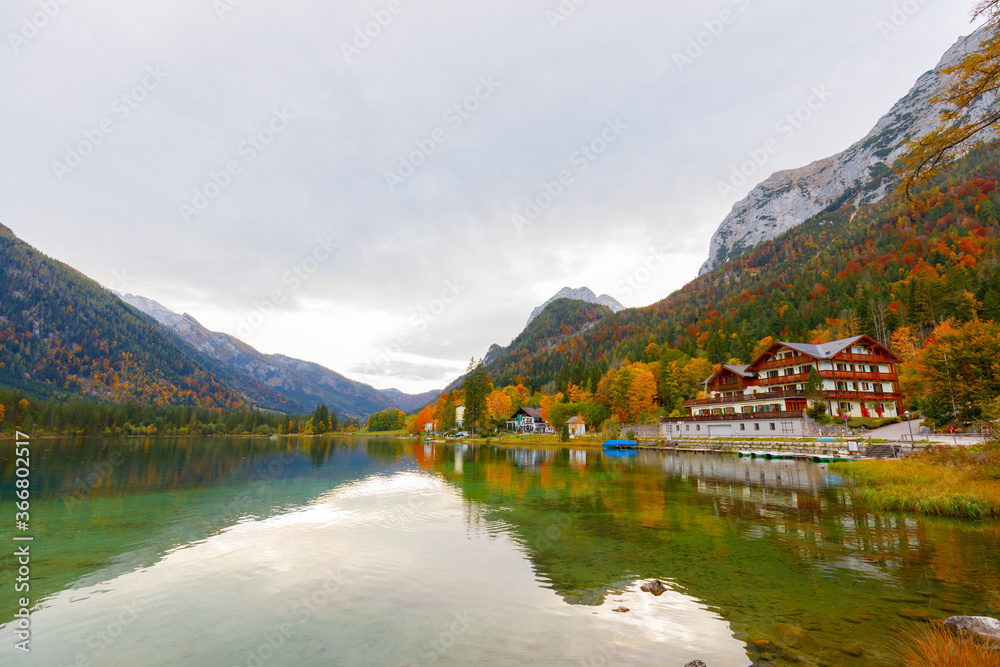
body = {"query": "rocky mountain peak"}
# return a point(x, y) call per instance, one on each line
point(858, 175)
point(580, 294)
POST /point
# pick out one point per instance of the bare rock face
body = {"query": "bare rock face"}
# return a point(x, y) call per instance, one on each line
point(983, 626)
point(789, 198)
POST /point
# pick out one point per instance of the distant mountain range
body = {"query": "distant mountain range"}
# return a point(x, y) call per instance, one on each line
point(859, 175)
point(307, 384)
point(63, 335)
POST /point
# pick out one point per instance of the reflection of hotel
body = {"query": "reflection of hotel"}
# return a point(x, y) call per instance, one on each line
point(767, 398)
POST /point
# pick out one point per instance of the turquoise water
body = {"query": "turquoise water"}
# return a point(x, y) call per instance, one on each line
point(390, 552)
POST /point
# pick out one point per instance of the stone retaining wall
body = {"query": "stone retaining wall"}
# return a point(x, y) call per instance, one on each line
point(777, 445)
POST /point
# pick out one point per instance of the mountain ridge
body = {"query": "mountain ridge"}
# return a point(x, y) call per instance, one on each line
point(860, 173)
point(305, 382)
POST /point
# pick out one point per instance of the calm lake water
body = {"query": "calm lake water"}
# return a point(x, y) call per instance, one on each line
point(248, 552)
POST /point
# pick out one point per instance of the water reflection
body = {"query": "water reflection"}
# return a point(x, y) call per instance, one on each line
point(768, 544)
point(769, 552)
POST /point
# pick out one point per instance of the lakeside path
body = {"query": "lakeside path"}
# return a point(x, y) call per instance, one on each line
point(896, 432)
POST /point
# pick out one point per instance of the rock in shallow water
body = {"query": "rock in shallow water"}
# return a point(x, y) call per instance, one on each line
point(984, 626)
point(622, 610)
point(696, 663)
point(655, 587)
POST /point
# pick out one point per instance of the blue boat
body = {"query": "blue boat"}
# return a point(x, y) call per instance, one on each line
point(620, 444)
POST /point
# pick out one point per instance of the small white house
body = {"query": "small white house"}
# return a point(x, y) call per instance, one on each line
point(577, 426)
point(459, 415)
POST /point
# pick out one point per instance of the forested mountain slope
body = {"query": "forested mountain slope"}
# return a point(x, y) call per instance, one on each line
point(845, 270)
point(62, 334)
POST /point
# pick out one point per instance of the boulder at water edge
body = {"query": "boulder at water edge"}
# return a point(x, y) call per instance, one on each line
point(984, 626)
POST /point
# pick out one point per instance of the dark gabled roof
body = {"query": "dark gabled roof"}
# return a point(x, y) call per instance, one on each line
point(824, 350)
point(535, 413)
point(738, 370)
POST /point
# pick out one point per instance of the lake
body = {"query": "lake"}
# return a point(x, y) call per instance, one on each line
point(352, 551)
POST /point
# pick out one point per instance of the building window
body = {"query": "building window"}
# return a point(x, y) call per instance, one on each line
point(787, 427)
point(698, 427)
point(756, 427)
point(846, 407)
point(772, 426)
point(743, 427)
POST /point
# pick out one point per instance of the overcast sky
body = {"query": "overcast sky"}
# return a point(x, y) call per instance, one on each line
point(364, 201)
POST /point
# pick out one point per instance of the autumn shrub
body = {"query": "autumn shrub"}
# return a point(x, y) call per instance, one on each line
point(932, 645)
point(963, 482)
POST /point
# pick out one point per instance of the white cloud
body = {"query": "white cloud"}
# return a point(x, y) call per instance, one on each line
point(451, 219)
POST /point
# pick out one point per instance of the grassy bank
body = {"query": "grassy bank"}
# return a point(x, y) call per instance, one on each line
point(962, 482)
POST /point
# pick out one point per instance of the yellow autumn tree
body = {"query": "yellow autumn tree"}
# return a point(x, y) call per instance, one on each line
point(518, 395)
point(578, 394)
point(761, 347)
point(642, 392)
point(973, 77)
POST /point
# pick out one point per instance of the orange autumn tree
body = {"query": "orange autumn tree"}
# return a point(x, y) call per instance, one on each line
point(629, 392)
point(548, 402)
point(499, 406)
point(421, 420)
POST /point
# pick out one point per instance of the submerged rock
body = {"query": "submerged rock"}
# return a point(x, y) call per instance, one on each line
point(853, 651)
point(793, 635)
point(655, 587)
point(622, 610)
point(984, 626)
point(696, 663)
